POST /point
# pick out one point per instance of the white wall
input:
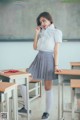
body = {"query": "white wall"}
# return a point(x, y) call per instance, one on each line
point(14, 55)
point(69, 51)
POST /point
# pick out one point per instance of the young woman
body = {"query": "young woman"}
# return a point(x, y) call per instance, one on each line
point(46, 41)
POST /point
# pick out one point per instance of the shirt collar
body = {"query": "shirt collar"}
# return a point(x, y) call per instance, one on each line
point(51, 26)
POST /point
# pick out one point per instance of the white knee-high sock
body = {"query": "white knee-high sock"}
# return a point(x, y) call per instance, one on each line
point(49, 100)
point(23, 93)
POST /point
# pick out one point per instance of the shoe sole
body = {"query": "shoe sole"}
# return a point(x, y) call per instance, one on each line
point(46, 118)
point(23, 113)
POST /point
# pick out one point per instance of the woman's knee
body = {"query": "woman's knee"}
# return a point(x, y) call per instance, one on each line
point(48, 88)
point(48, 85)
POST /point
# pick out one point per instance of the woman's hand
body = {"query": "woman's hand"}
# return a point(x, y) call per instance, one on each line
point(38, 30)
point(57, 69)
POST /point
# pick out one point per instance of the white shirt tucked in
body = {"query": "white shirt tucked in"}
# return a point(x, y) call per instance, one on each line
point(48, 37)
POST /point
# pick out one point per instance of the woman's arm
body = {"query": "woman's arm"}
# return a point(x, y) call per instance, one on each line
point(36, 38)
point(56, 48)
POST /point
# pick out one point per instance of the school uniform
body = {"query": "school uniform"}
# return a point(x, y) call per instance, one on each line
point(43, 65)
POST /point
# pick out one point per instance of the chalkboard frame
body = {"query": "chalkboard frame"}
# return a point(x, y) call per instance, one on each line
point(31, 40)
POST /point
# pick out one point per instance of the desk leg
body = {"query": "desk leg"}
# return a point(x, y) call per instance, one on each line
point(73, 99)
point(27, 97)
point(62, 100)
point(60, 97)
point(15, 95)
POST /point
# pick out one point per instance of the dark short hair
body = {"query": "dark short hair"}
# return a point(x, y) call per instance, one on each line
point(45, 15)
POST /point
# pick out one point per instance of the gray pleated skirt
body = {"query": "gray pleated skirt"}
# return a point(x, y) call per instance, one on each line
point(43, 66)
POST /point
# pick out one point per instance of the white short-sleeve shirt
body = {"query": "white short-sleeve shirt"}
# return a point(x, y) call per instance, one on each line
point(48, 37)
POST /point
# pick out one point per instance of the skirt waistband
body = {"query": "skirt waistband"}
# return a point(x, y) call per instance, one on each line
point(46, 52)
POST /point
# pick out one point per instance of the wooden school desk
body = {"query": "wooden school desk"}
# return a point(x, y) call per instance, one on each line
point(8, 90)
point(75, 65)
point(62, 76)
point(16, 78)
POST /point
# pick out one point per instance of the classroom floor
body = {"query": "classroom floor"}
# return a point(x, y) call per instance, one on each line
point(38, 106)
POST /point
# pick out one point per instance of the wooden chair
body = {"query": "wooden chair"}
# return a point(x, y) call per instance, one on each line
point(74, 83)
point(35, 85)
point(8, 92)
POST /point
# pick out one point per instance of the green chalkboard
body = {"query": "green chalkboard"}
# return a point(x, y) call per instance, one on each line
point(18, 19)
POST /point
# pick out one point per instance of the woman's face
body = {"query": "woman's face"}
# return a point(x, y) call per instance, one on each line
point(44, 22)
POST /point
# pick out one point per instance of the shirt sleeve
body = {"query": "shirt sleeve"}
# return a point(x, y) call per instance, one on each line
point(58, 36)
